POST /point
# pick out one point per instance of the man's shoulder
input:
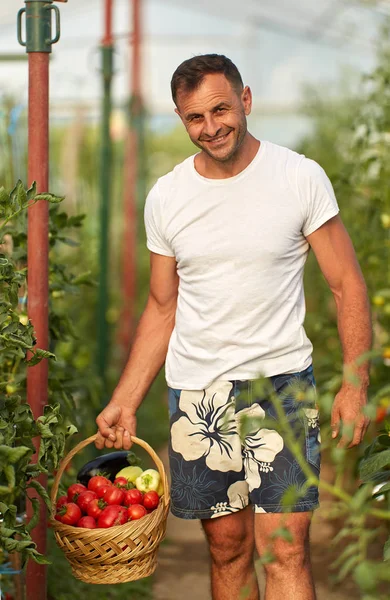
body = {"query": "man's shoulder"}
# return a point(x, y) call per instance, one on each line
point(178, 176)
point(283, 154)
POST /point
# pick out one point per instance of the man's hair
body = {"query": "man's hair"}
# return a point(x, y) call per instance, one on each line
point(189, 75)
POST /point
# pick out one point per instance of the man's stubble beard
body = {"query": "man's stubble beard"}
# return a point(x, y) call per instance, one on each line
point(242, 130)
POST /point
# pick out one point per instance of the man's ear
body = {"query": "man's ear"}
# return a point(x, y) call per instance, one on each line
point(246, 99)
point(181, 118)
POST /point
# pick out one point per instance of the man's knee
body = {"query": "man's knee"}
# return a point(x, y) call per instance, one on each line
point(230, 540)
point(286, 557)
point(228, 549)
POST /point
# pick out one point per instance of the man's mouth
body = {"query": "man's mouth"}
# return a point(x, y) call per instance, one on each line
point(218, 139)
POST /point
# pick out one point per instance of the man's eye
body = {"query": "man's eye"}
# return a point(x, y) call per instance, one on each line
point(221, 109)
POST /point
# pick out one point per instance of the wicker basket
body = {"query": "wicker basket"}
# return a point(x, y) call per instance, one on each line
point(117, 554)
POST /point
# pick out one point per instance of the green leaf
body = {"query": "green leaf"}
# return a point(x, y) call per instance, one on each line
point(38, 355)
point(4, 197)
point(384, 440)
point(39, 558)
point(370, 466)
point(50, 198)
point(41, 491)
point(33, 522)
point(31, 192)
point(284, 533)
point(386, 550)
point(365, 576)
point(21, 194)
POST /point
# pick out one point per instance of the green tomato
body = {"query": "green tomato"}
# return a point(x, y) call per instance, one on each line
point(10, 388)
point(58, 293)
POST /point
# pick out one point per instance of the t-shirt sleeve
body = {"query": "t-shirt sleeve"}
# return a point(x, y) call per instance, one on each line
point(155, 239)
point(317, 196)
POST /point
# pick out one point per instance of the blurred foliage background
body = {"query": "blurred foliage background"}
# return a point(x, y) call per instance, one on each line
point(350, 138)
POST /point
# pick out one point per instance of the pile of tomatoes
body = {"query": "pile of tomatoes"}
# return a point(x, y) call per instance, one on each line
point(104, 504)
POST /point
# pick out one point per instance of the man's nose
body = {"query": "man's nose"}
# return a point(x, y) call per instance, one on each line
point(211, 126)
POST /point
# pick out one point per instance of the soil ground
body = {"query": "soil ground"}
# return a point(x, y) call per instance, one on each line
point(183, 567)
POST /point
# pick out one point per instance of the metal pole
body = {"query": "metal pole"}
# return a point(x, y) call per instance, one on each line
point(131, 176)
point(38, 44)
point(107, 49)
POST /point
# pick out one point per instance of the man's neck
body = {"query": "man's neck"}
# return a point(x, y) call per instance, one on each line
point(214, 169)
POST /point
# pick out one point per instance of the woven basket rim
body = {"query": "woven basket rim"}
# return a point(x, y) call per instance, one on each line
point(80, 446)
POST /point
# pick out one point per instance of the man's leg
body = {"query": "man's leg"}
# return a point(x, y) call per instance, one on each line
point(289, 575)
point(232, 544)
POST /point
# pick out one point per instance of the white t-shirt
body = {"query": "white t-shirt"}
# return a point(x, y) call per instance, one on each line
point(240, 248)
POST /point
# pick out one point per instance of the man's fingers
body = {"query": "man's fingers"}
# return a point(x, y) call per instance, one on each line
point(106, 423)
point(118, 444)
point(127, 443)
point(100, 441)
point(335, 424)
point(360, 430)
point(357, 434)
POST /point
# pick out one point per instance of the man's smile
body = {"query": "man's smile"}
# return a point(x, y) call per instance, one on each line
point(215, 141)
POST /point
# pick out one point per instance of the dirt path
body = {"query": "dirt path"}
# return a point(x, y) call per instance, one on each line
point(183, 569)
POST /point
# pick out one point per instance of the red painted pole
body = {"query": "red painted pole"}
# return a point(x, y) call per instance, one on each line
point(131, 173)
point(38, 273)
point(107, 38)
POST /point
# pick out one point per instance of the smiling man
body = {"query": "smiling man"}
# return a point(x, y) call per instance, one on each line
point(229, 231)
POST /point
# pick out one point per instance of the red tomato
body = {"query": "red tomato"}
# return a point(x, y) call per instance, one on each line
point(121, 482)
point(136, 511)
point(85, 498)
point(133, 496)
point(61, 501)
point(87, 522)
point(113, 515)
point(74, 491)
point(101, 490)
point(97, 481)
point(113, 495)
point(69, 514)
point(151, 500)
point(95, 508)
point(381, 413)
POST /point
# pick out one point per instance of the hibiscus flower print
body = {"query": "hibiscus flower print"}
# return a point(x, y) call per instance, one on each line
point(238, 499)
point(260, 446)
point(208, 428)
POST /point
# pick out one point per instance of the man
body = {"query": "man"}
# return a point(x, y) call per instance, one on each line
point(229, 231)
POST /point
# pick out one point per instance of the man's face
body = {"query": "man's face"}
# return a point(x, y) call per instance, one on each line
point(214, 116)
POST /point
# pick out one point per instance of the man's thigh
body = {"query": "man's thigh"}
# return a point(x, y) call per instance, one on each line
point(205, 458)
point(277, 481)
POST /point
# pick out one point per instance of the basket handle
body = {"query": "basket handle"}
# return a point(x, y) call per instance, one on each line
point(66, 460)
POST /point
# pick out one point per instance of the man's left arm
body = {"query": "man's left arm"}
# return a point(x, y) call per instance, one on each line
point(336, 257)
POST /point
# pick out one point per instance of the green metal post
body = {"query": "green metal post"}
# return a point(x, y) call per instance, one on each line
point(107, 50)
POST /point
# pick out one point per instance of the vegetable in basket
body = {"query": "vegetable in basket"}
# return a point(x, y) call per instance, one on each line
point(148, 481)
point(109, 464)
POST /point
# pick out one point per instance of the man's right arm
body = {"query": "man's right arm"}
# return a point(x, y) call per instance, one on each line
point(117, 421)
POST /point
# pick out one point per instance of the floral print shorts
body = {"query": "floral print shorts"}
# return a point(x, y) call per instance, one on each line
point(230, 446)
